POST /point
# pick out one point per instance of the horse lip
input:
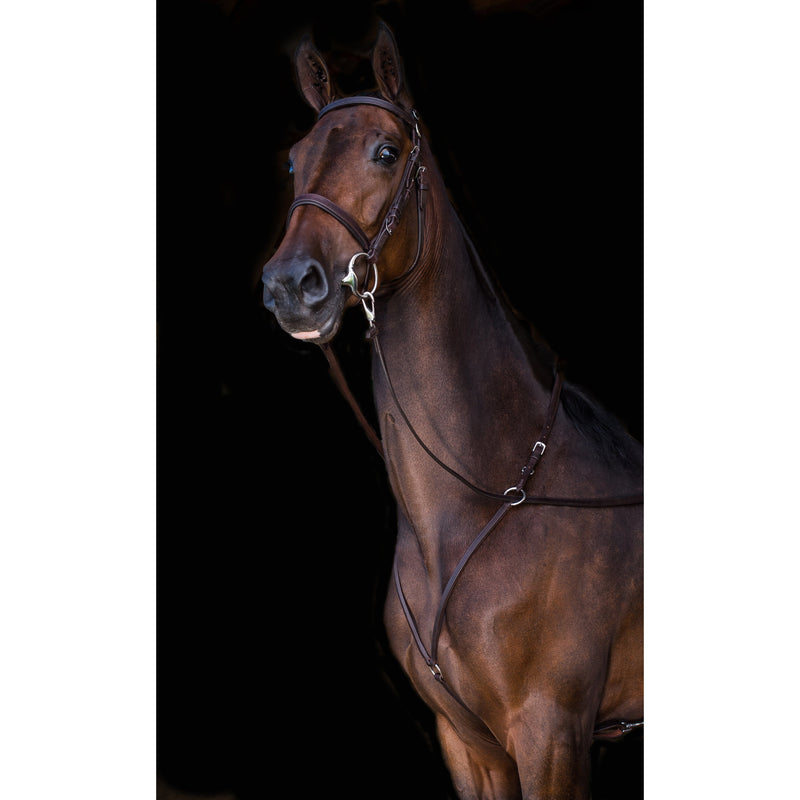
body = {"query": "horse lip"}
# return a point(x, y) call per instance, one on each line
point(319, 335)
point(306, 335)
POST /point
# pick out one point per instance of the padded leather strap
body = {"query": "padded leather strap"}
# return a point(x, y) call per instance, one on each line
point(337, 212)
point(365, 100)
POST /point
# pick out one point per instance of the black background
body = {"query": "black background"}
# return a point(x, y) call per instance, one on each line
point(275, 523)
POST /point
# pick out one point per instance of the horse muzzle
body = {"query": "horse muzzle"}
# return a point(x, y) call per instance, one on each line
point(304, 300)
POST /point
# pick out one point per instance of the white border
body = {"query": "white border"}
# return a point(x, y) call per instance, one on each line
point(722, 224)
point(77, 378)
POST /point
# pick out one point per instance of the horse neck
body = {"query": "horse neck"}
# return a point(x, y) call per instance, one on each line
point(457, 365)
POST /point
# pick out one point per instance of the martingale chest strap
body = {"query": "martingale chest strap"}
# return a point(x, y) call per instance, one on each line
point(513, 496)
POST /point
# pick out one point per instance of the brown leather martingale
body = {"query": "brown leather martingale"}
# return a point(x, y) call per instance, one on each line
point(412, 175)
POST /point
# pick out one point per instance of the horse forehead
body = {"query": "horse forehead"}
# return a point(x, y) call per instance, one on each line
point(348, 129)
point(331, 140)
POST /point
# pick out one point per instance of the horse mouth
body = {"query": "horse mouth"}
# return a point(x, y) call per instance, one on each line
point(320, 335)
point(317, 323)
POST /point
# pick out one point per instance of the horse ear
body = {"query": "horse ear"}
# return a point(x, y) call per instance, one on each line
point(388, 66)
point(312, 75)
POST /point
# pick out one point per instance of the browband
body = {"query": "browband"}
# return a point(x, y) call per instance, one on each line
point(366, 100)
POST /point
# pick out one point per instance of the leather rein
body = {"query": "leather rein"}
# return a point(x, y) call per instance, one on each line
point(413, 177)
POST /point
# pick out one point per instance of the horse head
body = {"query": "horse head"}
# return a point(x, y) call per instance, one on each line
point(353, 174)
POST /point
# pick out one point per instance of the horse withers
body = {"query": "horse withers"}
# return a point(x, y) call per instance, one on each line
point(516, 600)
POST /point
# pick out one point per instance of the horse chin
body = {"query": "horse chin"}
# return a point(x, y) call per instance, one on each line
point(322, 334)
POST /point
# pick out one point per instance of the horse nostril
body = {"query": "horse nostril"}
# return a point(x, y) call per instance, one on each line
point(313, 285)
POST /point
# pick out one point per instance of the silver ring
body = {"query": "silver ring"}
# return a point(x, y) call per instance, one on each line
point(514, 489)
point(351, 279)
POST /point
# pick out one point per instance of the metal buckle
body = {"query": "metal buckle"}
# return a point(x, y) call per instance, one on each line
point(436, 671)
point(390, 227)
point(544, 447)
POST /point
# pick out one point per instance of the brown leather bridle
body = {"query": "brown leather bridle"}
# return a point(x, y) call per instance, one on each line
point(413, 176)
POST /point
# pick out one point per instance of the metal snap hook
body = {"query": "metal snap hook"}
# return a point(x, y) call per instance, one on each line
point(369, 310)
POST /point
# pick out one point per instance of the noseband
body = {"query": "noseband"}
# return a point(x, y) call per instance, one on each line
point(371, 248)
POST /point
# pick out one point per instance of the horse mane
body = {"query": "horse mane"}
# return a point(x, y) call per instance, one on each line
point(611, 440)
point(607, 435)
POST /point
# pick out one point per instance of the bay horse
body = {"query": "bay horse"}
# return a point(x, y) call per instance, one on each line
point(516, 612)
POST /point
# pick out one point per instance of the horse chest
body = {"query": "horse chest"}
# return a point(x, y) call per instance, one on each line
point(468, 646)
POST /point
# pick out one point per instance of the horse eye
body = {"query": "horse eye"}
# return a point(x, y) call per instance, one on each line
point(290, 166)
point(388, 154)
